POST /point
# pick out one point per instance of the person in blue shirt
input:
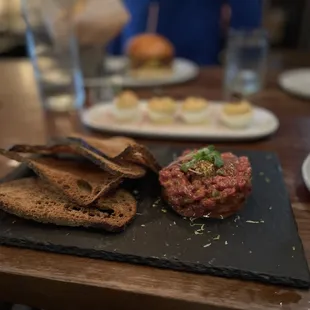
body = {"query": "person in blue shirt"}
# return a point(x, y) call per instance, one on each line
point(193, 26)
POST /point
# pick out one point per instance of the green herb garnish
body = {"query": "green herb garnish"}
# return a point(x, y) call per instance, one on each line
point(220, 172)
point(217, 237)
point(207, 154)
point(215, 193)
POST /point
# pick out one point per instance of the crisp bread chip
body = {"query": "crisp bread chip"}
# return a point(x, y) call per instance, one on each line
point(110, 147)
point(139, 154)
point(34, 199)
point(42, 149)
point(128, 169)
point(119, 149)
point(82, 182)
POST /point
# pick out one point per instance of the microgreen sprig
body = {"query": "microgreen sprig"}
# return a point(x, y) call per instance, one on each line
point(208, 154)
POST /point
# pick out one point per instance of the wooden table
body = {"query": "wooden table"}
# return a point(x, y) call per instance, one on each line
point(52, 281)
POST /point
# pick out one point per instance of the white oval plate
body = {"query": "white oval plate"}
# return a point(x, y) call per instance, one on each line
point(99, 117)
point(183, 70)
point(296, 82)
point(305, 170)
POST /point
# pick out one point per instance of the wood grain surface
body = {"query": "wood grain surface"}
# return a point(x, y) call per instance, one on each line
point(52, 281)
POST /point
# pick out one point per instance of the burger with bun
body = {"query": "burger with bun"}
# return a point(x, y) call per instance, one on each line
point(150, 56)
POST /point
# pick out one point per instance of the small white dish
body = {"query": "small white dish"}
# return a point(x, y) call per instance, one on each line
point(296, 82)
point(305, 171)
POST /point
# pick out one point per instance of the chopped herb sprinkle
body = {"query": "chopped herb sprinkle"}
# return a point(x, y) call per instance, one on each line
point(206, 245)
point(142, 225)
point(207, 215)
point(226, 242)
point(237, 218)
point(156, 202)
point(217, 237)
point(293, 248)
point(164, 210)
point(261, 173)
point(253, 222)
point(198, 232)
point(215, 193)
point(193, 224)
point(220, 172)
point(267, 180)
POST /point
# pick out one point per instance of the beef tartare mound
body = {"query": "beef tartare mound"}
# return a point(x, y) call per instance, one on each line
point(205, 183)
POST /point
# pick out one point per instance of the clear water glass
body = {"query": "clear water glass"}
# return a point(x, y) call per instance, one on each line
point(55, 62)
point(245, 62)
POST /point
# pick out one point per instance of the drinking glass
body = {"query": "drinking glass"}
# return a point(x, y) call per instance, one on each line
point(55, 59)
point(245, 64)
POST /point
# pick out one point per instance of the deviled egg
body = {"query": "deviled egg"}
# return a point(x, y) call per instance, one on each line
point(161, 109)
point(237, 114)
point(195, 110)
point(126, 106)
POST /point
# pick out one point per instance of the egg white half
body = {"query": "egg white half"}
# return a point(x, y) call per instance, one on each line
point(160, 117)
point(236, 121)
point(125, 114)
point(195, 117)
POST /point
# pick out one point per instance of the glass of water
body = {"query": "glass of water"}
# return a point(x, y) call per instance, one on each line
point(245, 64)
point(55, 59)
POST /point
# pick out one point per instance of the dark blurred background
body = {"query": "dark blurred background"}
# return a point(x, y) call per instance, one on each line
point(287, 21)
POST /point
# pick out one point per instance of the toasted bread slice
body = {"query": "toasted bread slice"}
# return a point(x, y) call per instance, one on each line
point(34, 199)
point(119, 149)
point(82, 182)
point(111, 147)
point(128, 169)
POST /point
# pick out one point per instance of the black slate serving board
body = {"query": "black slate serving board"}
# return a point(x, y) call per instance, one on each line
point(260, 243)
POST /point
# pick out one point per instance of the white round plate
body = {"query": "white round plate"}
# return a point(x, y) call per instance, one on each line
point(183, 70)
point(114, 64)
point(296, 82)
point(305, 170)
point(100, 117)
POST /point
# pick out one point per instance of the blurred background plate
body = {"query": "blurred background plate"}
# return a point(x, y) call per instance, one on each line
point(99, 117)
point(306, 171)
point(296, 82)
point(183, 70)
